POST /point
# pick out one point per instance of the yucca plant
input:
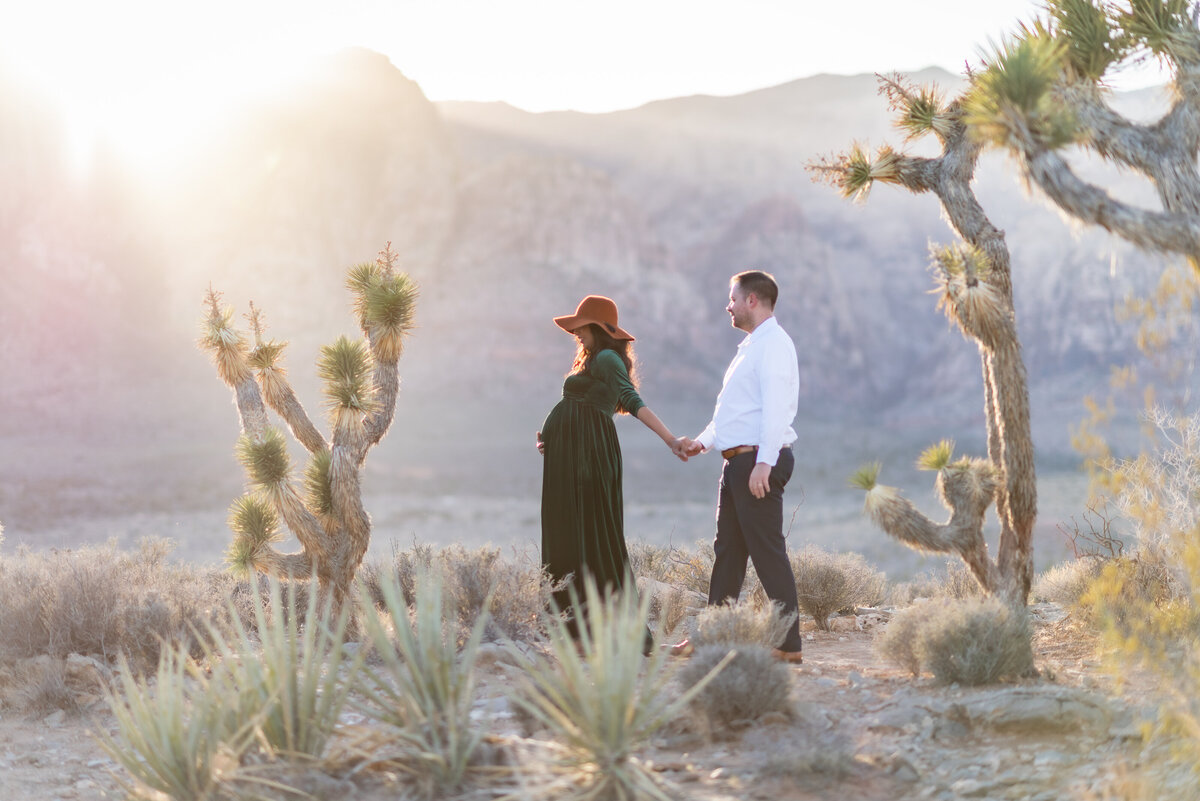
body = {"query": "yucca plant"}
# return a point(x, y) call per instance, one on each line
point(173, 735)
point(424, 686)
point(600, 699)
point(361, 382)
point(287, 676)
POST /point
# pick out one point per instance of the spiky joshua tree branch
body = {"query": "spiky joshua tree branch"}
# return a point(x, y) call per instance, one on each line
point(975, 287)
point(1045, 89)
point(325, 511)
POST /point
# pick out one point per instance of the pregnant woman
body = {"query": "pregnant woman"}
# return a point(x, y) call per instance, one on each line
point(583, 530)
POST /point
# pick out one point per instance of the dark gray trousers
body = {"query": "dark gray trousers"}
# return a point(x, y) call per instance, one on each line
point(752, 528)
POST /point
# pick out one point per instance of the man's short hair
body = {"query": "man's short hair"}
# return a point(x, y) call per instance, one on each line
point(760, 284)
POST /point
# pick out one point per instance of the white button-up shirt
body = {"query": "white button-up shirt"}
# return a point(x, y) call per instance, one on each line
point(758, 399)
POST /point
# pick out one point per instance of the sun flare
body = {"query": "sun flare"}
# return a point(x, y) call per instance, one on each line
point(144, 81)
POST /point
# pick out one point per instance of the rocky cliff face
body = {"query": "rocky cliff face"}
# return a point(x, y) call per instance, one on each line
point(507, 218)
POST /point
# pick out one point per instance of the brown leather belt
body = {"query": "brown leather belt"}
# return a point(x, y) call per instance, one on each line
point(729, 453)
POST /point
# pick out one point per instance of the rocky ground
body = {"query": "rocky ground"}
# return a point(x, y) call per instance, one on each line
point(862, 729)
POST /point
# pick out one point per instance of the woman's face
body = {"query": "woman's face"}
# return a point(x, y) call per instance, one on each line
point(586, 337)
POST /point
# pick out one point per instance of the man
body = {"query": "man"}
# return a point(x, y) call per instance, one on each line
point(752, 428)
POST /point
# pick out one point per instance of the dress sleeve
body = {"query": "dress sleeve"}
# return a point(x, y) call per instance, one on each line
point(609, 368)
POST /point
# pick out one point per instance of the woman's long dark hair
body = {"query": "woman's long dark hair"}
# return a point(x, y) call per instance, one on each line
point(622, 347)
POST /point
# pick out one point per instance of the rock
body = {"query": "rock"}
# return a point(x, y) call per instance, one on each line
point(55, 719)
point(1040, 710)
point(844, 623)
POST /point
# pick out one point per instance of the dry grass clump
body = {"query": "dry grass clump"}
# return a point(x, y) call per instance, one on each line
point(955, 582)
point(829, 582)
point(751, 685)
point(1066, 583)
point(98, 600)
point(513, 593)
point(651, 561)
point(976, 641)
point(742, 623)
point(805, 754)
point(898, 640)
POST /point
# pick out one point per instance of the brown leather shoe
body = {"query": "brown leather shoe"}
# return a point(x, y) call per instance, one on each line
point(683, 648)
point(791, 657)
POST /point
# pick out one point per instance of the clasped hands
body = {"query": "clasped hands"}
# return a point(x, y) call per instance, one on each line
point(685, 447)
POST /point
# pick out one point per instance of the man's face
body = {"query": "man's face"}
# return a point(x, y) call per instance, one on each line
point(739, 308)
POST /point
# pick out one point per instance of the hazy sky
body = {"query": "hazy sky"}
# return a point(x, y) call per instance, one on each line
point(135, 68)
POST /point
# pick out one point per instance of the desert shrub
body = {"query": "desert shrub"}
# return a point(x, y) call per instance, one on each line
point(424, 686)
point(742, 623)
point(804, 754)
point(46, 689)
point(976, 641)
point(600, 699)
point(651, 561)
point(954, 582)
point(752, 684)
point(519, 589)
point(828, 582)
point(692, 569)
point(898, 641)
point(668, 607)
point(1068, 582)
point(99, 600)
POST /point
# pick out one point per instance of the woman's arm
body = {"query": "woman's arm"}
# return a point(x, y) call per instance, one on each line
point(651, 421)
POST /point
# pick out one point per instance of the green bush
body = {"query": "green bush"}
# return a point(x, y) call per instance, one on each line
point(828, 582)
point(976, 641)
point(899, 640)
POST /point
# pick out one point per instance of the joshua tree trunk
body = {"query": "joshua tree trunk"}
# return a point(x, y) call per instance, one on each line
point(361, 384)
point(976, 283)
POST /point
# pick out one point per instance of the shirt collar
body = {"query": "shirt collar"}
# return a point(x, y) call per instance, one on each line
point(760, 332)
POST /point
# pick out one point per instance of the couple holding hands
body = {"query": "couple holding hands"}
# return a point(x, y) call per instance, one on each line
point(582, 505)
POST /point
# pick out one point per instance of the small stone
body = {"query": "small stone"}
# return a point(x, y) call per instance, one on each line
point(854, 678)
point(55, 718)
point(969, 788)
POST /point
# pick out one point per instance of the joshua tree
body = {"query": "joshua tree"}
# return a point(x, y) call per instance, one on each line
point(1040, 92)
point(1044, 91)
point(976, 292)
point(361, 383)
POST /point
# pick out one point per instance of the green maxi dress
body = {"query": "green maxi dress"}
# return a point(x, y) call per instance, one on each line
point(583, 527)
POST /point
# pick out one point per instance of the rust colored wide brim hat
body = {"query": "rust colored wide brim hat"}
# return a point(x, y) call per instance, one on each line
point(595, 309)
